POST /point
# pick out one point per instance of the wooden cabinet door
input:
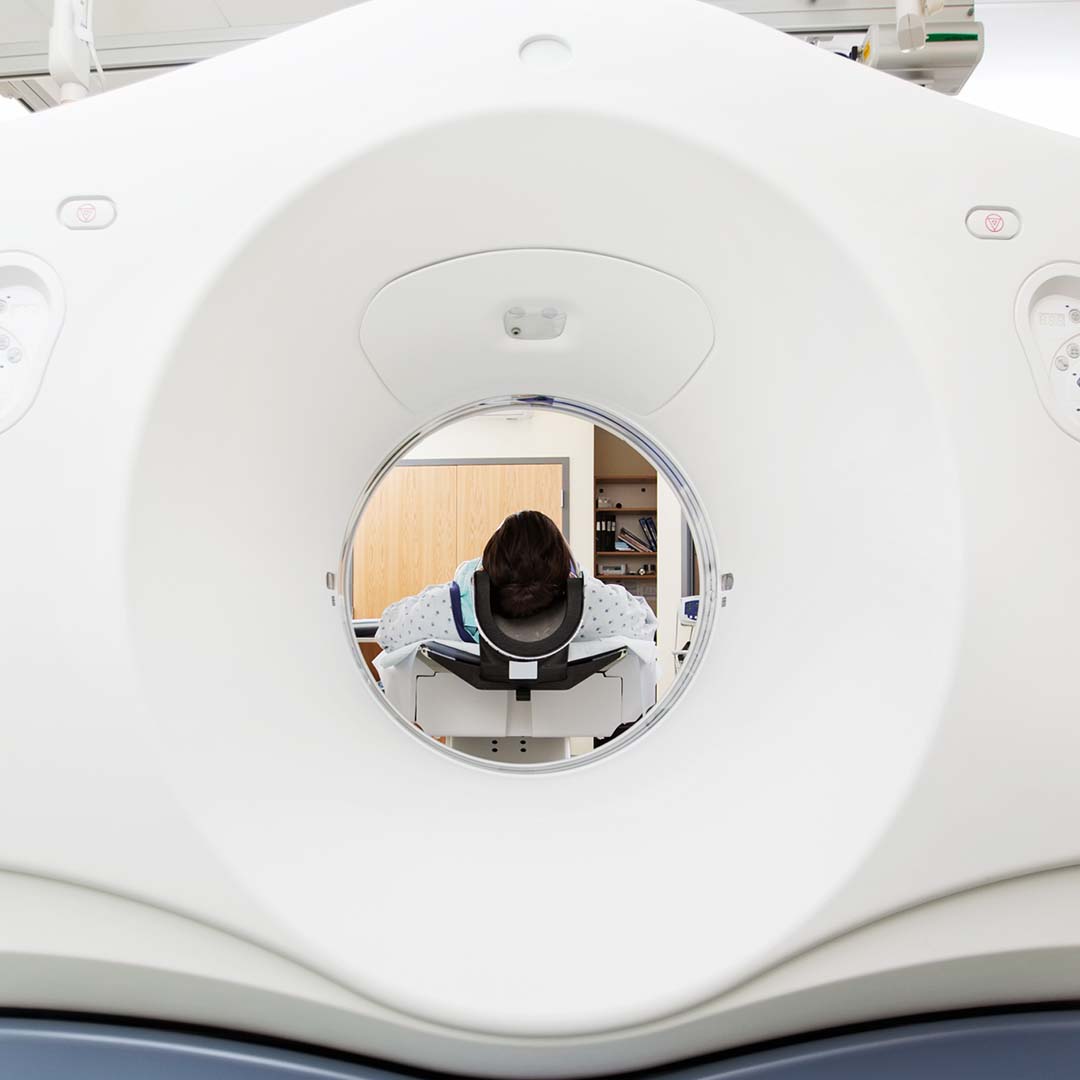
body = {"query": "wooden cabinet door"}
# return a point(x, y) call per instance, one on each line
point(407, 537)
point(426, 519)
point(486, 494)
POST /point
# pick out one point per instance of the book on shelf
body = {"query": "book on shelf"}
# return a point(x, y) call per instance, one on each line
point(634, 541)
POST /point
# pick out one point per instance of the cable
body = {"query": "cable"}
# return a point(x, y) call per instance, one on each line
point(86, 33)
point(90, 43)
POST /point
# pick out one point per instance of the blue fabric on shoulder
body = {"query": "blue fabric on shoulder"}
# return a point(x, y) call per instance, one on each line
point(455, 607)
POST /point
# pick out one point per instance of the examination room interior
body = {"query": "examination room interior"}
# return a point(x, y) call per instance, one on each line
point(824, 792)
point(439, 504)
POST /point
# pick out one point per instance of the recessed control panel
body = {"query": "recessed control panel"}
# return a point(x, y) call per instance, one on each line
point(1048, 321)
point(31, 314)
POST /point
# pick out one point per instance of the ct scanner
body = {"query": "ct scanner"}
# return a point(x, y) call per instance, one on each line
point(225, 312)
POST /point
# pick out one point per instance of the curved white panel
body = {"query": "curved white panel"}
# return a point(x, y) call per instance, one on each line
point(828, 480)
point(456, 311)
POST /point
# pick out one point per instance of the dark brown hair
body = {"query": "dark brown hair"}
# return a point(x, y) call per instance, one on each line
point(528, 562)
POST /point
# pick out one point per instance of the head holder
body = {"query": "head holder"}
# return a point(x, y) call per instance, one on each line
point(539, 644)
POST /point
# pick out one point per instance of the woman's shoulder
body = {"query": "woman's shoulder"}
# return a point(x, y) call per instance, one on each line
point(427, 614)
point(605, 595)
point(597, 586)
point(433, 597)
point(465, 570)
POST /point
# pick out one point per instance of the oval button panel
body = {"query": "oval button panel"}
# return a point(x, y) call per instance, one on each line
point(87, 212)
point(993, 223)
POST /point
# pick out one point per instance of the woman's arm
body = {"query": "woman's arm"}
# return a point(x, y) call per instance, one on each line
point(423, 617)
point(611, 611)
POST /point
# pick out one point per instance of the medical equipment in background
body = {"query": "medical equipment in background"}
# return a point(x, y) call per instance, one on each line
point(687, 620)
point(948, 55)
point(858, 800)
point(686, 628)
point(526, 688)
point(862, 30)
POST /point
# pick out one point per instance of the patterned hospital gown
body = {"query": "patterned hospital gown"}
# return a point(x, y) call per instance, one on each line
point(610, 611)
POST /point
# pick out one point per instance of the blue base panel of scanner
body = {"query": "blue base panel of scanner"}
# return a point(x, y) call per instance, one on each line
point(1015, 1046)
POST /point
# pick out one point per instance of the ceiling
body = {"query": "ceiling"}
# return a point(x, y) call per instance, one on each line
point(138, 38)
point(27, 21)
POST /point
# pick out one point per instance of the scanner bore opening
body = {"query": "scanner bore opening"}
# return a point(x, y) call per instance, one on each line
point(434, 695)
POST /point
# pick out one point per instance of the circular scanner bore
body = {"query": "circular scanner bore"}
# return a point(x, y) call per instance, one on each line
point(435, 506)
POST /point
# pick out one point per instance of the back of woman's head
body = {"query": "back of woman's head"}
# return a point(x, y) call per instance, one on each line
point(528, 562)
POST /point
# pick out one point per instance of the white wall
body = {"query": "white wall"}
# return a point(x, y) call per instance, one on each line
point(1031, 68)
point(535, 433)
point(669, 573)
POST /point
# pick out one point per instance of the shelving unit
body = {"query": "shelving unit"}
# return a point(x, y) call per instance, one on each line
point(631, 496)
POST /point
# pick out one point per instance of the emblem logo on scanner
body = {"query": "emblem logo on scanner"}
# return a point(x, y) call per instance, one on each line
point(87, 212)
point(993, 223)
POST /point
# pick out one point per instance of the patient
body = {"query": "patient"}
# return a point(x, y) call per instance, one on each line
point(528, 562)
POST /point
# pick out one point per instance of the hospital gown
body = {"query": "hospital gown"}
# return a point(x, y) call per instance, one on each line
point(610, 611)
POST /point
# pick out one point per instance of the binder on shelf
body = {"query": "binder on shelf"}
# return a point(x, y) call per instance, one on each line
point(648, 528)
point(605, 531)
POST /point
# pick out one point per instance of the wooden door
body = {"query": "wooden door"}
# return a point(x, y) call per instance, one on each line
point(407, 537)
point(487, 494)
point(426, 519)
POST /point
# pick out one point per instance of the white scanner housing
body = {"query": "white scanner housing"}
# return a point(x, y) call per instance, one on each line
point(863, 801)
